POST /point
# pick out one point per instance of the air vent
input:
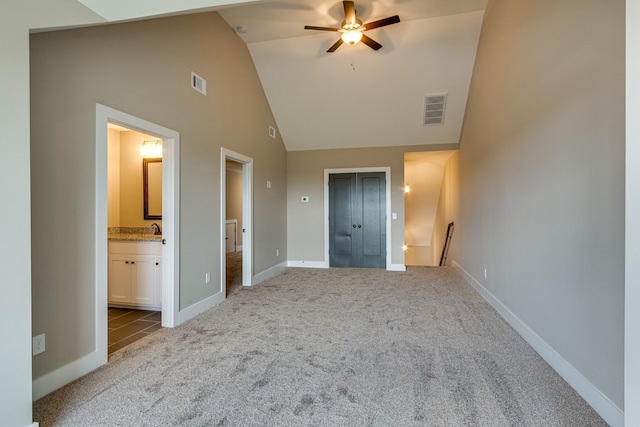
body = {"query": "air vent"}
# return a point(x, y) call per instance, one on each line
point(198, 83)
point(434, 108)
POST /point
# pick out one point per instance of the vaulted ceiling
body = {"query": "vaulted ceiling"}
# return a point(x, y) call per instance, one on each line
point(354, 97)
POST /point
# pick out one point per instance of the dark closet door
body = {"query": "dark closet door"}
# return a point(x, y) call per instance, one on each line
point(357, 222)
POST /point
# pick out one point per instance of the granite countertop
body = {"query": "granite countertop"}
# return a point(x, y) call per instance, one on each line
point(133, 234)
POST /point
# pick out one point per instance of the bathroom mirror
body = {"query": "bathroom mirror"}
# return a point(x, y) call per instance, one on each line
point(152, 188)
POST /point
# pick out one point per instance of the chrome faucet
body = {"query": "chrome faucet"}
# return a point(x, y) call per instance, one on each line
point(157, 231)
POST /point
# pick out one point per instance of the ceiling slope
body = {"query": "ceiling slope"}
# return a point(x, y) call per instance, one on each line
point(356, 97)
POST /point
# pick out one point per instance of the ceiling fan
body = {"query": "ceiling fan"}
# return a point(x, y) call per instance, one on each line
point(353, 29)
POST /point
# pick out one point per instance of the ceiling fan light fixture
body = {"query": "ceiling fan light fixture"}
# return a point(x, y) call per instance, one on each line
point(351, 37)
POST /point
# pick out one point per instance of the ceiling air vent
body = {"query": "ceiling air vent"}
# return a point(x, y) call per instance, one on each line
point(434, 108)
point(198, 83)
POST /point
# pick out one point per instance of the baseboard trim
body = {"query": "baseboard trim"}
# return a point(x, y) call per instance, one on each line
point(307, 264)
point(397, 267)
point(322, 264)
point(594, 397)
point(62, 376)
point(269, 273)
point(197, 308)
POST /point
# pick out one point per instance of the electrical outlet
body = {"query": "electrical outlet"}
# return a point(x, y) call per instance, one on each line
point(484, 273)
point(268, 184)
point(38, 344)
point(277, 252)
point(207, 277)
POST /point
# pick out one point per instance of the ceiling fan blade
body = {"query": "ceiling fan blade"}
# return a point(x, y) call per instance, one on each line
point(370, 42)
point(311, 27)
point(349, 12)
point(382, 22)
point(336, 45)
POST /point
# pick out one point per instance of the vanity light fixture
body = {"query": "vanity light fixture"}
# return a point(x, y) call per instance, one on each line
point(151, 149)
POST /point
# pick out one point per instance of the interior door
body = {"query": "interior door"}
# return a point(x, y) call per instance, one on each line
point(357, 229)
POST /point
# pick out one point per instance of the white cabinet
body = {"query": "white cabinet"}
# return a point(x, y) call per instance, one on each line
point(135, 274)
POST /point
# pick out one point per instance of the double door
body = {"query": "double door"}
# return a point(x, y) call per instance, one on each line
point(357, 220)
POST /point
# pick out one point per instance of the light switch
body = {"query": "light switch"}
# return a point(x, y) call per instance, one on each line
point(394, 216)
point(268, 184)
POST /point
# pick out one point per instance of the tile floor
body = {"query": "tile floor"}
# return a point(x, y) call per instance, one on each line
point(128, 325)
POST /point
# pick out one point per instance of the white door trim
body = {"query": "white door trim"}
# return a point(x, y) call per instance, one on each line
point(170, 211)
point(387, 173)
point(247, 215)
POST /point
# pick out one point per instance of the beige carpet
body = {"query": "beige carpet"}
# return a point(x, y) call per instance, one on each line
point(335, 347)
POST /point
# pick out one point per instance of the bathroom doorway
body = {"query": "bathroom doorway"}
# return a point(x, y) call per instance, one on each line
point(164, 234)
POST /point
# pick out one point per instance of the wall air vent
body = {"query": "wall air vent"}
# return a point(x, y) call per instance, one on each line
point(434, 108)
point(198, 83)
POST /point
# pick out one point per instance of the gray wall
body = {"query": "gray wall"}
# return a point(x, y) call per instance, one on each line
point(16, 18)
point(141, 68)
point(448, 211)
point(542, 176)
point(305, 176)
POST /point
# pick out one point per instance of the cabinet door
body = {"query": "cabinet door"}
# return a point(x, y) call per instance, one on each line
point(119, 278)
point(143, 279)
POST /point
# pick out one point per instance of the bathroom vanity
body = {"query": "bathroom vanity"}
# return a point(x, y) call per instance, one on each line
point(135, 271)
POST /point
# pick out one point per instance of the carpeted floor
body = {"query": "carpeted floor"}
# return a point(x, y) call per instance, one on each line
point(334, 347)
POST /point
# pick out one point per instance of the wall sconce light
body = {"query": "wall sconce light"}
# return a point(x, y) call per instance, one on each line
point(407, 189)
point(151, 149)
point(404, 248)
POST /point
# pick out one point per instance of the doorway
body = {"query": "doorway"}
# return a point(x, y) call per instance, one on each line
point(357, 232)
point(236, 201)
point(170, 193)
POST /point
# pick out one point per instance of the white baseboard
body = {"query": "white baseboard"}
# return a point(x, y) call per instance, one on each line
point(322, 264)
point(594, 397)
point(307, 264)
point(269, 273)
point(239, 248)
point(35, 425)
point(197, 308)
point(62, 376)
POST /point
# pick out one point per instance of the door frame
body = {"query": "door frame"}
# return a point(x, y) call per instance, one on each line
point(170, 215)
point(247, 216)
point(387, 172)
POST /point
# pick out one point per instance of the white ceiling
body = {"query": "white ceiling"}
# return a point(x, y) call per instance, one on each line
point(357, 97)
point(354, 97)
